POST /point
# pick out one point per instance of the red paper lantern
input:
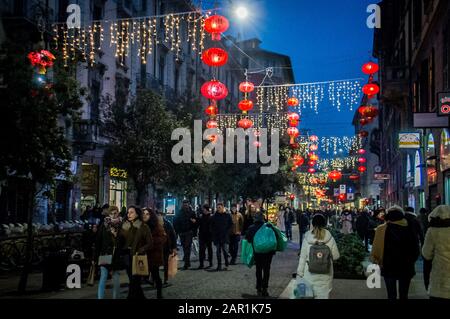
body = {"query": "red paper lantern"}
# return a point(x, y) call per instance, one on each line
point(215, 57)
point(313, 147)
point(354, 177)
point(342, 197)
point(368, 111)
point(371, 89)
point(211, 124)
point(362, 169)
point(293, 101)
point(292, 197)
point(313, 138)
point(311, 163)
point(216, 25)
point(293, 116)
point(311, 170)
point(245, 105)
point(370, 68)
point(211, 110)
point(361, 151)
point(214, 90)
point(246, 87)
point(245, 124)
point(362, 160)
point(298, 160)
point(293, 123)
point(293, 133)
point(363, 134)
point(335, 175)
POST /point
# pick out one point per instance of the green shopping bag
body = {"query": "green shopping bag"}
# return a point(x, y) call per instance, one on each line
point(247, 254)
point(265, 240)
point(281, 239)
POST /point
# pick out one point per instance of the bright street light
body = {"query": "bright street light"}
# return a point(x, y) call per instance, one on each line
point(241, 12)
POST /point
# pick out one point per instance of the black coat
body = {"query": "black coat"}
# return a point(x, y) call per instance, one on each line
point(171, 242)
point(401, 250)
point(204, 228)
point(107, 244)
point(182, 221)
point(412, 220)
point(248, 221)
point(220, 227)
point(303, 222)
point(362, 224)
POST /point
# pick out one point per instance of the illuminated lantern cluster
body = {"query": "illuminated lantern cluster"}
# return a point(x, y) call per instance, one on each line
point(214, 57)
point(296, 161)
point(367, 112)
point(294, 119)
point(246, 104)
point(42, 59)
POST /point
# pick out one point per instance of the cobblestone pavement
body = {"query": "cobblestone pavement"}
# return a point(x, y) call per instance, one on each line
point(231, 284)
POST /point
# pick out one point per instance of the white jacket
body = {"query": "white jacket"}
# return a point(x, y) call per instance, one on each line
point(321, 283)
point(437, 248)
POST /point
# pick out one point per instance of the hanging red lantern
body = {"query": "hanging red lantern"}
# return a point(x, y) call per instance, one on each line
point(245, 123)
point(293, 123)
point(370, 68)
point(363, 121)
point(335, 175)
point(314, 147)
point(211, 110)
point(293, 116)
point(245, 105)
point(214, 90)
point(246, 87)
point(43, 59)
point(361, 151)
point(293, 133)
point(294, 146)
point(363, 134)
point(313, 138)
point(313, 157)
point(293, 101)
point(368, 111)
point(362, 160)
point(298, 160)
point(362, 169)
point(371, 89)
point(342, 197)
point(211, 124)
point(215, 57)
point(292, 197)
point(311, 170)
point(216, 25)
point(311, 163)
point(354, 177)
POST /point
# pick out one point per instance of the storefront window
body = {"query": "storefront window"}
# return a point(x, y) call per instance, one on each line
point(445, 150)
point(118, 187)
point(431, 161)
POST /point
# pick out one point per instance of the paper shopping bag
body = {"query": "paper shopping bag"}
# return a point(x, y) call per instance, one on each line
point(173, 265)
point(91, 277)
point(140, 265)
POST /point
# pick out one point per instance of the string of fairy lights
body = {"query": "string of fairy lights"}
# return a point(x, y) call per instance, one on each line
point(338, 145)
point(260, 120)
point(142, 32)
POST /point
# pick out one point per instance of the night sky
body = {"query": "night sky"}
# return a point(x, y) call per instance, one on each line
point(326, 40)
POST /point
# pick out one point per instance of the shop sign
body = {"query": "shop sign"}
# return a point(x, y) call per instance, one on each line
point(443, 108)
point(336, 192)
point(342, 189)
point(118, 173)
point(409, 140)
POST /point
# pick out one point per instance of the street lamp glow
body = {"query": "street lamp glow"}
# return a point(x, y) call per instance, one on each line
point(241, 12)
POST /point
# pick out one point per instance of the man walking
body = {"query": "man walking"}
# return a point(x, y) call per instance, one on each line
point(205, 236)
point(288, 221)
point(303, 226)
point(184, 223)
point(236, 231)
point(221, 224)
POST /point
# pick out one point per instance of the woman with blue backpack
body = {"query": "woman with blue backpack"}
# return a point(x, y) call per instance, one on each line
point(319, 250)
point(266, 240)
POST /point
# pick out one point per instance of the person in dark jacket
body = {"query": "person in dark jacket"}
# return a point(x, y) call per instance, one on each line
point(156, 253)
point(248, 216)
point(262, 261)
point(138, 241)
point(170, 247)
point(185, 223)
point(205, 237)
point(109, 243)
point(411, 217)
point(236, 232)
point(423, 220)
point(396, 250)
point(303, 226)
point(362, 226)
point(289, 218)
point(221, 223)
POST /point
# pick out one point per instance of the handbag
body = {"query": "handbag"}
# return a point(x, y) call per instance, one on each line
point(140, 265)
point(172, 265)
point(104, 260)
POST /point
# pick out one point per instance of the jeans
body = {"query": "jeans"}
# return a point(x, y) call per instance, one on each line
point(186, 242)
point(102, 283)
point(262, 263)
point(157, 279)
point(221, 248)
point(205, 245)
point(234, 246)
point(288, 227)
point(391, 287)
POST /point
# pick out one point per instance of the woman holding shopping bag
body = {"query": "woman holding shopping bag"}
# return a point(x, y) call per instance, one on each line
point(138, 242)
point(319, 250)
